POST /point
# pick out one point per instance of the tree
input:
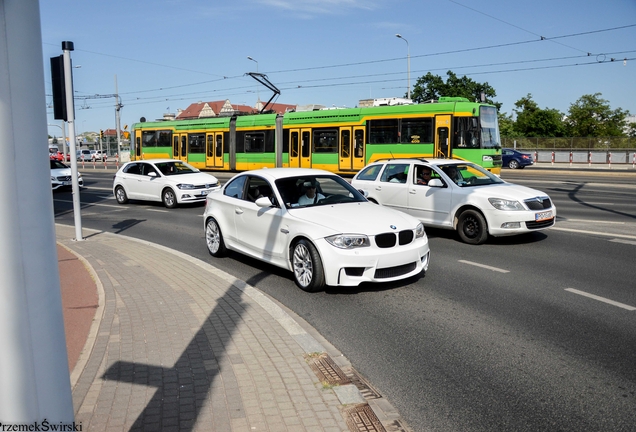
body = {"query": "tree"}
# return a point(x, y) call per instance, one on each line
point(432, 87)
point(507, 125)
point(533, 121)
point(592, 116)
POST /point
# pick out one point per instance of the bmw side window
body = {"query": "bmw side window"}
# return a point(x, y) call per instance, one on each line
point(235, 188)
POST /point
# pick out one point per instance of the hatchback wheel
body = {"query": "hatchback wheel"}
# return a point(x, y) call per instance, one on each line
point(307, 265)
point(120, 195)
point(169, 198)
point(214, 239)
point(472, 228)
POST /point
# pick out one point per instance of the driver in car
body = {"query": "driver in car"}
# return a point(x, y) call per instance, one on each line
point(310, 197)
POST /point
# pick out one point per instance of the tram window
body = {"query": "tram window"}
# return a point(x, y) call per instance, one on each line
point(196, 143)
point(466, 133)
point(254, 142)
point(158, 138)
point(383, 131)
point(210, 151)
point(415, 131)
point(358, 150)
point(305, 145)
point(325, 141)
point(219, 145)
point(345, 144)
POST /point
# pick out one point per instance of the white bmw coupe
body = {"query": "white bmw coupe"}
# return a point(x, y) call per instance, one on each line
point(315, 224)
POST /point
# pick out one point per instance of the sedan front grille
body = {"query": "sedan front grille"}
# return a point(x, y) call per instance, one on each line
point(63, 178)
point(538, 203)
point(389, 240)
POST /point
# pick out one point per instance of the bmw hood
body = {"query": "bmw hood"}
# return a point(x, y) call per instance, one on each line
point(356, 218)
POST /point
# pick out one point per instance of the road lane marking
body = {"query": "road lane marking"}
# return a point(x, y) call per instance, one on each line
point(592, 221)
point(601, 299)
point(631, 242)
point(593, 232)
point(485, 266)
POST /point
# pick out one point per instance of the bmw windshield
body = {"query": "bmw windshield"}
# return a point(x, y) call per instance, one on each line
point(309, 191)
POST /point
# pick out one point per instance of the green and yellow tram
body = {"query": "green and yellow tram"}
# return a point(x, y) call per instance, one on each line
point(338, 140)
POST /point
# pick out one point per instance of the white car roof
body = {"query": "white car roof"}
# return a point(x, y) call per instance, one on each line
point(278, 173)
point(431, 161)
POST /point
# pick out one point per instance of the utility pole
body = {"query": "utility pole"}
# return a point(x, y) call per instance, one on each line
point(118, 107)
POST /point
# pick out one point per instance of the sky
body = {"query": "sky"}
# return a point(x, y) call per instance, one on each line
point(160, 56)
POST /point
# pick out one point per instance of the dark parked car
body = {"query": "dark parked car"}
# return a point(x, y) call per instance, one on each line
point(515, 159)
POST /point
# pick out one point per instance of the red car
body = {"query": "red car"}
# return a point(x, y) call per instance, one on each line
point(58, 156)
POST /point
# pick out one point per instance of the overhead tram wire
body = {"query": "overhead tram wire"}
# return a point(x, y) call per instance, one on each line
point(226, 78)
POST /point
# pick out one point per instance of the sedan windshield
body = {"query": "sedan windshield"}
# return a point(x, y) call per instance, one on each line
point(174, 168)
point(468, 174)
point(316, 190)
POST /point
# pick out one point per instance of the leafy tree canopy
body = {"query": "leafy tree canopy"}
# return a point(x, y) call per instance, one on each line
point(591, 115)
point(432, 87)
point(533, 121)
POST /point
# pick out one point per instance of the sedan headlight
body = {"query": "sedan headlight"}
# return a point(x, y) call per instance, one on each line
point(419, 230)
point(348, 241)
point(506, 205)
point(185, 186)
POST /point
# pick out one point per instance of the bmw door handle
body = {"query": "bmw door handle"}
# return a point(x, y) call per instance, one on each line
point(238, 211)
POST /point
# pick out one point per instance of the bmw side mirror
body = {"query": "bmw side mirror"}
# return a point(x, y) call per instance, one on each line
point(152, 174)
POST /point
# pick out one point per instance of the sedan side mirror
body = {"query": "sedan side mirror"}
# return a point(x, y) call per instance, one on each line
point(435, 183)
point(363, 192)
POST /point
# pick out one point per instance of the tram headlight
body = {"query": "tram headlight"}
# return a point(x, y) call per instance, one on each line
point(348, 241)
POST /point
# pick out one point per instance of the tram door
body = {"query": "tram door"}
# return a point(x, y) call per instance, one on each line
point(137, 144)
point(300, 148)
point(351, 152)
point(180, 146)
point(442, 136)
point(214, 150)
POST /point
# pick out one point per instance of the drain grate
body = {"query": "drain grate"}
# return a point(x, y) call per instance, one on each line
point(365, 388)
point(361, 418)
point(326, 370)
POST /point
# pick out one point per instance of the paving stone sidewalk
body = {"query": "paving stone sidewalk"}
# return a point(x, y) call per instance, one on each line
point(177, 344)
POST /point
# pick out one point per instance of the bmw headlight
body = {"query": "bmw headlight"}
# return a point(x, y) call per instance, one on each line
point(506, 205)
point(348, 241)
point(185, 186)
point(419, 230)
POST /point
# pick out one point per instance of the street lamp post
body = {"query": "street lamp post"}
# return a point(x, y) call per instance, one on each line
point(408, 65)
point(63, 127)
point(258, 96)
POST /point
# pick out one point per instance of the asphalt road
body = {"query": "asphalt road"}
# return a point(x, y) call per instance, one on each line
point(524, 333)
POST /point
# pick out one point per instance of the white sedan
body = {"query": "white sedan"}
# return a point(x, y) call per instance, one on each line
point(316, 225)
point(456, 195)
point(169, 181)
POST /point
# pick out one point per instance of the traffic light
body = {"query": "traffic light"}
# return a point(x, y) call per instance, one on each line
point(101, 134)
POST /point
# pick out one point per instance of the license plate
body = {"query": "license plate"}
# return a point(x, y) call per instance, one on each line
point(542, 216)
point(66, 183)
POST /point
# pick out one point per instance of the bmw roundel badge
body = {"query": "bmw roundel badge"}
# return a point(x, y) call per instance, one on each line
point(393, 227)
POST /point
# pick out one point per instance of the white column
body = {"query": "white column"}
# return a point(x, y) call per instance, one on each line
point(34, 376)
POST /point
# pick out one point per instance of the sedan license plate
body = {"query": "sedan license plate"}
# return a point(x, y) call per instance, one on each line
point(66, 183)
point(542, 216)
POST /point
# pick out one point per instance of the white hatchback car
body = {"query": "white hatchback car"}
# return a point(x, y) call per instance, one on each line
point(456, 195)
point(169, 181)
point(316, 225)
